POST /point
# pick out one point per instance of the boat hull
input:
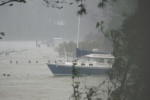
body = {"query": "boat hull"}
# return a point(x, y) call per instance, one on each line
point(60, 69)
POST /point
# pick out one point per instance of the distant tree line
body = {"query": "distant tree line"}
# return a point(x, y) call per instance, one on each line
point(90, 42)
point(66, 48)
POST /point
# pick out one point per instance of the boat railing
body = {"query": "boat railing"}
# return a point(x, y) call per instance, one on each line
point(81, 63)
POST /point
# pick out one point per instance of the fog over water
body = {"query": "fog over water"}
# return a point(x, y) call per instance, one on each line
point(21, 80)
point(34, 81)
point(35, 21)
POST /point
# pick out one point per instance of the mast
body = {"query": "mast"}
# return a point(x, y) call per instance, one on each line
point(78, 27)
point(78, 34)
point(78, 31)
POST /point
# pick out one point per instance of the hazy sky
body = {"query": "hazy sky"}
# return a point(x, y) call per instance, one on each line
point(35, 21)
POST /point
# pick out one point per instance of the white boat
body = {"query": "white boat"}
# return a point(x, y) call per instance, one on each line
point(91, 64)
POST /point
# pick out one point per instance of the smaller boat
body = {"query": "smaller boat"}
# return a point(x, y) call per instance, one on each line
point(91, 64)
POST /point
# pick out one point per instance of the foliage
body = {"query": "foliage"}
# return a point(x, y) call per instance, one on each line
point(66, 47)
point(57, 3)
point(91, 41)
point(86, 92)
point(60, 4)
point(130, 48)
point(96, 41)
point(4, 2)
point(75, 84)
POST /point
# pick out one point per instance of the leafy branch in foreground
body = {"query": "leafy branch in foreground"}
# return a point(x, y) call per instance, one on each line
point(4, 2)
point(88, 92)
point(57, 3)
point(75, 84)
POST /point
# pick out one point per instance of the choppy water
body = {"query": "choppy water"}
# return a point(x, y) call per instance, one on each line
point(34, 81)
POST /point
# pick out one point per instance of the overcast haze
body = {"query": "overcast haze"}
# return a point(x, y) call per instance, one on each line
point(35, 21)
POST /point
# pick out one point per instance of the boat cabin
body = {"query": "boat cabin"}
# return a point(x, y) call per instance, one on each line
point(96, 59)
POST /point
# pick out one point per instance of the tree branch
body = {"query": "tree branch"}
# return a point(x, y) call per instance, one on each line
point(6, 2)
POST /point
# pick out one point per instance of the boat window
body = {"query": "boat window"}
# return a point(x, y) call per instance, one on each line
point(82, 64)
point(90, 64)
